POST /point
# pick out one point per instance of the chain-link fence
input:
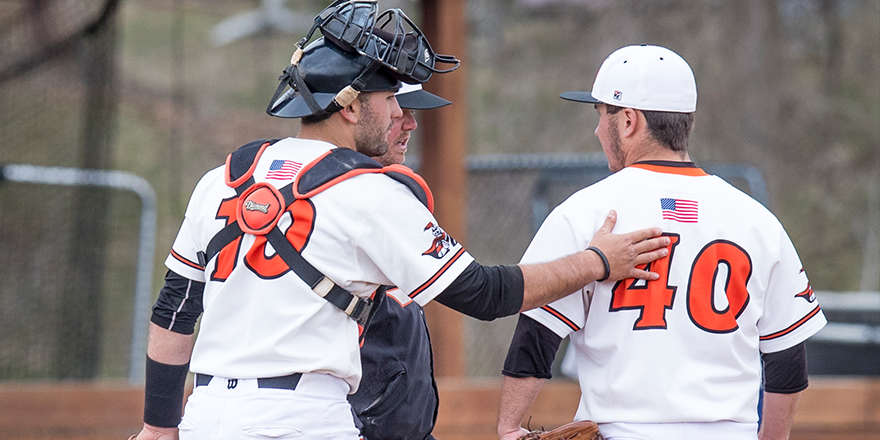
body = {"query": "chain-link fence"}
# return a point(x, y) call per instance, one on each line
point(65, 260)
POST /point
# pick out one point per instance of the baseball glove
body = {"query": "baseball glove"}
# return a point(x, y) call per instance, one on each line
point(581, 430)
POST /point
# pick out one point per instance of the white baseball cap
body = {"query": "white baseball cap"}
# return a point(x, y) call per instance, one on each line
point(413, 97)
point(643, 77)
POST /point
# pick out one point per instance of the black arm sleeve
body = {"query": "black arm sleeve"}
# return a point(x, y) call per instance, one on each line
point(785, 372)
point(179, 305)
point(532, 350)
point(485, 292)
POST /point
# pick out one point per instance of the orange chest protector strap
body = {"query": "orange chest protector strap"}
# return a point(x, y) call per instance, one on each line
point(260, 206)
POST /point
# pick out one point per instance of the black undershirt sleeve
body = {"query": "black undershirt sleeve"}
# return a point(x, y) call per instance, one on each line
point(785, 372)
point(179, 305)
point(532, 350)
point(485, 292)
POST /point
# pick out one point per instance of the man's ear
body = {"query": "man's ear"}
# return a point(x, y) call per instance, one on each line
point(352, 112)
point(631, 120)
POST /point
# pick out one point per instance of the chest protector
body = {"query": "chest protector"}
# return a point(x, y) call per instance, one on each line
point(260, 205)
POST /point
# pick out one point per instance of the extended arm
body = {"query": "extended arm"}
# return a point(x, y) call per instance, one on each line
point(547, 282)
point(489, 292)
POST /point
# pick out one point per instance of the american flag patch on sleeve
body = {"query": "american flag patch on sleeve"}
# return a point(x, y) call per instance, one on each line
point(283, 169)
point(680, 210)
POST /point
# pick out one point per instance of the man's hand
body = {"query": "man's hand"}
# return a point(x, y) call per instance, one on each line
point(627, 251)
point(155, 433)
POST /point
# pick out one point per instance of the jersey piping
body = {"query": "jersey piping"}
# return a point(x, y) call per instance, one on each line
point(437, 275)
point(666, 167)
point(183, 260)
point(792, 327)
point(555, 313)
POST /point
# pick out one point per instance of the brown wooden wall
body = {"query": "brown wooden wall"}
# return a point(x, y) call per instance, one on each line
point(831, 409)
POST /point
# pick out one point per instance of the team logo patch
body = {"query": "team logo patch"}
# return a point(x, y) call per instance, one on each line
point(617, 95)
point(442, 243)
point(259, 208)
point(807, 294)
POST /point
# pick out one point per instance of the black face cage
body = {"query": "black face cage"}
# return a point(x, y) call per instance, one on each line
point(396, 44)
point(391, 39)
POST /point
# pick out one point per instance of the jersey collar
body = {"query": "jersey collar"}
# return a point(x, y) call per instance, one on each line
point(670, 167)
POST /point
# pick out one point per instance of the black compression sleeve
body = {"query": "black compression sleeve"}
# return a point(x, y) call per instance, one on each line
point(485, 292)
point(532, 350)
point(179, 305)
point(785, 372)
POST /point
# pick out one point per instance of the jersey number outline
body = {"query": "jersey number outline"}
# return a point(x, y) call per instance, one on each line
point(302, 211)
point(654, 298)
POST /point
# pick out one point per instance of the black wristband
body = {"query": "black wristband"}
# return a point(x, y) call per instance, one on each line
point(163, 393)
point(604, 261)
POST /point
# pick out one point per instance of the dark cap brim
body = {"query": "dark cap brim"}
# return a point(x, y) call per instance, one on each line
point(421, 100)
point(580, 97)
point(297, 107)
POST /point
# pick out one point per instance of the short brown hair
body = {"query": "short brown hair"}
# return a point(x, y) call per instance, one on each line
point(668, 128)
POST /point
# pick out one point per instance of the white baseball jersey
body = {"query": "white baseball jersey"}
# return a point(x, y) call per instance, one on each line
point(260, 319)
point(684, 348)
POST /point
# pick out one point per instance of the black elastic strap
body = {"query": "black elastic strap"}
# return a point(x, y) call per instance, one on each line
point(163, 393)
point(304, 91)
point(226, 235)
point(337, 296)
point(604, 261)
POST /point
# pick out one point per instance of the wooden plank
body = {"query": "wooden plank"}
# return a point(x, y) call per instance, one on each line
point(831, 409)
point(442, 163)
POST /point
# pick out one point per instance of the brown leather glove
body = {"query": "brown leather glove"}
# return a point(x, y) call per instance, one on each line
point(581, 430)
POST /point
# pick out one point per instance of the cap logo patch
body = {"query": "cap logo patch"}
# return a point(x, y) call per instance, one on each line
point(617, 95)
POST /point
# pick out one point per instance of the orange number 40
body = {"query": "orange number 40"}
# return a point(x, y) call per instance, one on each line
point(654, 298)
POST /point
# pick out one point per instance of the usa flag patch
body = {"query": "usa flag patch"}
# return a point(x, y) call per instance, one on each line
point(680, 210)
point(283, 169)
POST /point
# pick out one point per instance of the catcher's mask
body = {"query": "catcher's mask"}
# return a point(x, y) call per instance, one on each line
point(325, 80)
point(395, 48)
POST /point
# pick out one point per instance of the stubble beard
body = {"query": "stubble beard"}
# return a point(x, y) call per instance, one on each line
point(370, 138)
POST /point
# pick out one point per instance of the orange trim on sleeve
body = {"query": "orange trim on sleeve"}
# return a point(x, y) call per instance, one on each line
point(434, 278)
point(178, 257)
point(792, 327)
point(556, 314)
point(684, 171)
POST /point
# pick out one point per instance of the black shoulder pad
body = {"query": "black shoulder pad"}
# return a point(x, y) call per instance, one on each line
point(417, 189)
point(240, 160)
point(339, 162)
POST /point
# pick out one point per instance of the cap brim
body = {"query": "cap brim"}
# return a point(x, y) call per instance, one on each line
point(580, 97)
point(297, 107)
point(421, 100)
